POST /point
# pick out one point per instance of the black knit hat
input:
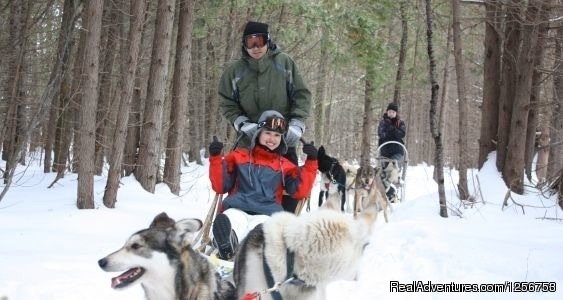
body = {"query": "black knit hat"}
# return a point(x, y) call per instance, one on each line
point(255, 28)
point(393, 106)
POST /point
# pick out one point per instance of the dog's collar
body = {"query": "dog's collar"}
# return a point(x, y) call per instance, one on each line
point(330, 176)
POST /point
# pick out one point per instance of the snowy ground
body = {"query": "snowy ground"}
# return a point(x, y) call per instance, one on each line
point(49, 249)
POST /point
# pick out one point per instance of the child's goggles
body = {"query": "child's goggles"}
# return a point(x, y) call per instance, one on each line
point(274, 124)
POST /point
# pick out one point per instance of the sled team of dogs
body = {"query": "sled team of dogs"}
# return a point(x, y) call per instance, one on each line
point(366, 181)
point(304, 252)
point(300, 255)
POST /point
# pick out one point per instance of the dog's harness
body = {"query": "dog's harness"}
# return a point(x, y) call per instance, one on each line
point(366, 187)
point(331, 177)
point(274, 289)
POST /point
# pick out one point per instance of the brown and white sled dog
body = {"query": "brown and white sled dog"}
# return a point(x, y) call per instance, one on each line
point(368, 187)
point(310, 250)
point(161, 259)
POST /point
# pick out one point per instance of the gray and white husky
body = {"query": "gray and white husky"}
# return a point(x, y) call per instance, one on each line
point(162, 260)
point(302, 254)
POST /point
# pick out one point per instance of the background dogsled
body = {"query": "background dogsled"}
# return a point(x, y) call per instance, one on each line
point(390, 180)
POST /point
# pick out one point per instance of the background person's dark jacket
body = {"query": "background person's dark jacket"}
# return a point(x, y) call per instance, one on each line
point(391, 130)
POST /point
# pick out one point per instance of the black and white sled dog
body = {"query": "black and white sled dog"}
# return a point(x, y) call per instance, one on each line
point(300, 255)
point(333, 174)
point(162, 260)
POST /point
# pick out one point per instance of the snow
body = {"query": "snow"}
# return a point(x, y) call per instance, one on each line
point(49, 249)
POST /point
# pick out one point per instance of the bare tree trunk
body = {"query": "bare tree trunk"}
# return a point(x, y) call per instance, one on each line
point(125, 88)
point(443, 105)
point(413, 141)
point(58, 109)
point(103, 110)
point(149, 150)
point(555, 166)
point(196, 111)
point(368, 120)
point(434, 124)
point(514, 166)
point(320, 101)
point(13, 59)
point(491, 78)
point(212, 97)
point(402, 52)
point(19, 14)
point(182, 72)
point(462, 102)
point(535, 99)
point(133, 131)
point(76, 94)
point(508, 81)
point(87, 136)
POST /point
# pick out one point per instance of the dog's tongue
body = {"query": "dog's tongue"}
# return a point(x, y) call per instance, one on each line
point(127, 277)
point(115, 281)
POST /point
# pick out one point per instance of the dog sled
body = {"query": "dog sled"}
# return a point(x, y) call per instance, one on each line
point(394, 171)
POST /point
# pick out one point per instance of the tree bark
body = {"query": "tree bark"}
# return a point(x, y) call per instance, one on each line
point(320, 101)
point(462, 102)
point(57, 114)
point(182, 72)
point(15, 94)
point(555, 166)
point(402, 52)
point(125, 88)
point(513, 171)
point(491, 78)
point(443, 106)
point(103, 110)
point(149, 149)
point(87, 136)
point(508, 81)
point(368, 120)
point(535, 99)
point(434, 122)
point(62, 131)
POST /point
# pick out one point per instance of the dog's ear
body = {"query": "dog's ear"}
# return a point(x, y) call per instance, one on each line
point(189, 225)
point(183, 232)
point(321, 151)
point(162, 221)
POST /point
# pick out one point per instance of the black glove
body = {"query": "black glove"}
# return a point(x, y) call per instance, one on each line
point(215, 147)
point(310, 150)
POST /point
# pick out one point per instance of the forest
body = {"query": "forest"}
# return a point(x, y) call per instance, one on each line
point(129, 87)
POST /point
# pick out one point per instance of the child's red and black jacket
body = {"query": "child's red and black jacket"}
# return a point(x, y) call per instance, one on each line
point(255, 179)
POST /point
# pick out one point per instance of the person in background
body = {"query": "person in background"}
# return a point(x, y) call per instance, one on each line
point(392, 128)
point(255, 179)
point(264, 78)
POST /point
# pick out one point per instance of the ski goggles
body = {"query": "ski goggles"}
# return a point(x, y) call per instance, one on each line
point(252, 41)
point(274, 124)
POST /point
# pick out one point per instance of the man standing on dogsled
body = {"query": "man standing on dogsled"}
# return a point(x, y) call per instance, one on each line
point(265, 78)
point(255, 179)
point(392, 128)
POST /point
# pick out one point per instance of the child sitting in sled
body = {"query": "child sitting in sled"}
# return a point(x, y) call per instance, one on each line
point(255, 180)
